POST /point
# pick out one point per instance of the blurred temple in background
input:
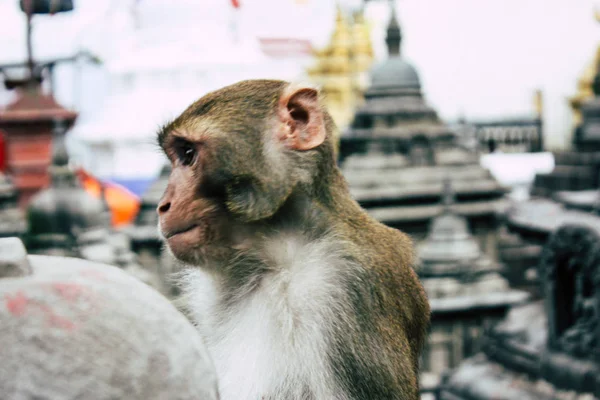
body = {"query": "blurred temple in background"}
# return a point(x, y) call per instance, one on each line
point(466, 289)
point(503, 206)
point(397, 153)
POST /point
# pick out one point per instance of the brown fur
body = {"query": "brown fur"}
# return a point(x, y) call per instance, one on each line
point(236, 192)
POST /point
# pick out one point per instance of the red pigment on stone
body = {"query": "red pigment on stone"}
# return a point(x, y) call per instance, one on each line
point(69, 291)
point(55, 320)
point(17, 303)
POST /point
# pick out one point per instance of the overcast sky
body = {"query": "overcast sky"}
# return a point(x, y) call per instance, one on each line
point(476, 57)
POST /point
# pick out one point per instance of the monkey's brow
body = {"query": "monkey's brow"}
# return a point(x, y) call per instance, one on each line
point(163, 134)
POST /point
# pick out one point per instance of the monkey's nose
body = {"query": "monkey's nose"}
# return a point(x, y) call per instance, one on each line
point(163, 207)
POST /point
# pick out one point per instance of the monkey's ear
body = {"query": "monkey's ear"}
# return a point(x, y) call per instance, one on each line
point(303, 123)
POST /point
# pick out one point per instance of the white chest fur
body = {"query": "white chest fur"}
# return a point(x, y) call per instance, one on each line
point(274, 342)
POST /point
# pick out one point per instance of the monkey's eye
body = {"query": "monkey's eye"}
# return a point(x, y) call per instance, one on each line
point(186, 153)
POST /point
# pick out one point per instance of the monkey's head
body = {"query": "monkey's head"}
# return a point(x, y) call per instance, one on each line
point(237, 155)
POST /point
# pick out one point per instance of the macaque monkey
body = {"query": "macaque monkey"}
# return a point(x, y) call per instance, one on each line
point(298, 292)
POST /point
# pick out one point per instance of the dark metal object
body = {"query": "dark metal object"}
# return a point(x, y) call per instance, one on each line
point(31, 7)
point(11, 82)
point(45, 6)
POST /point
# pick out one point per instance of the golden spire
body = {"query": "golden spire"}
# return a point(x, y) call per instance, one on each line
point(585, 82)
point(538, 103)
point(339, 66)
point(362, 48)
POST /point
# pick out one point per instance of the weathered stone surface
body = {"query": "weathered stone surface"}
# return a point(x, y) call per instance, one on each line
point(81, 330)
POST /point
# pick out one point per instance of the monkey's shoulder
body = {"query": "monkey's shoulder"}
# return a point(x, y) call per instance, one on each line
point(382, 247)
point(388, 259)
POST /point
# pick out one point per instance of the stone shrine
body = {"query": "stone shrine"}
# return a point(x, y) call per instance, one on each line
point(64, 220)
point(397, 153)
point(548, 349)
point(466, 292)
point(395, 112)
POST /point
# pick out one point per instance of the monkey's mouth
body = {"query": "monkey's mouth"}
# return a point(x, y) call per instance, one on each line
point(169, 234)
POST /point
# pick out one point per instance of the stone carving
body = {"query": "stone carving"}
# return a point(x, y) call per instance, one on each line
point(569, 270)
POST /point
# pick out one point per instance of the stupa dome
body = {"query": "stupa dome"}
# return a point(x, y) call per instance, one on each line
point(449, 239)
point(395, 72)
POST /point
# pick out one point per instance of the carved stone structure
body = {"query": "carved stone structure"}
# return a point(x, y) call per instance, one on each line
point(548, 349)
point(12, 220)
point(465, 289)
point(76, 329)
point(395, 110)
point(397, 153)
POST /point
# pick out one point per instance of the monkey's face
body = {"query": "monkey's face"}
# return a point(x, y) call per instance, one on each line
point(193, 215)
point(237, 154)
